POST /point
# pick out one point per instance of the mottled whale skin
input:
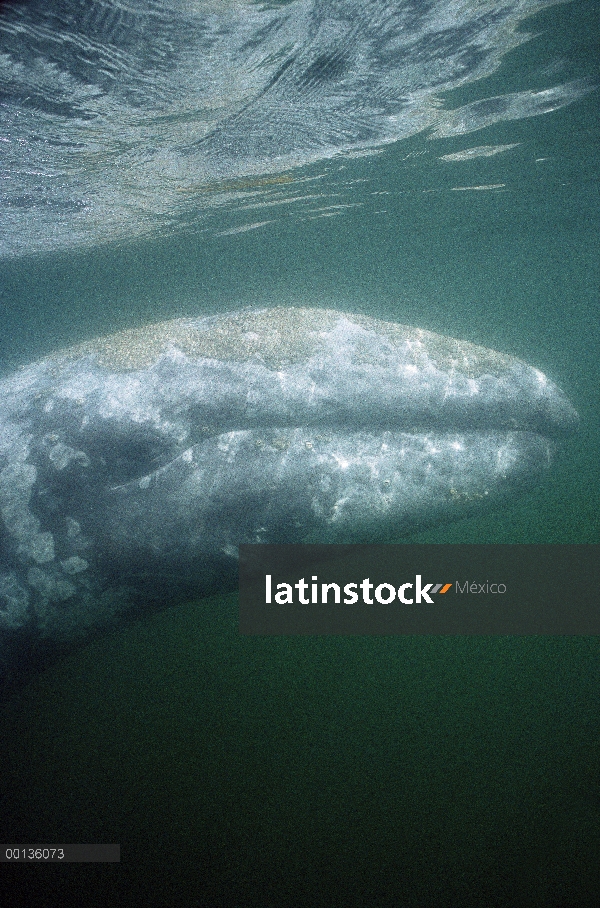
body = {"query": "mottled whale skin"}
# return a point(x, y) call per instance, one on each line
point(132, 467)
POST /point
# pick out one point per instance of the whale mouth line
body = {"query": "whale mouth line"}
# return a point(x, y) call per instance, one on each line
point(129, 458)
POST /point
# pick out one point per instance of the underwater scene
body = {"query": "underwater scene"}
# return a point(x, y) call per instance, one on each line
point(292, 272)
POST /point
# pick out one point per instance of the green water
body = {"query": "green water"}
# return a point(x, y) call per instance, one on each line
point(344, 771)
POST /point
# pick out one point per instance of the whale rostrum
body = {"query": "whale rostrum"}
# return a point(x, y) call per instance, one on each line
point(132, 466)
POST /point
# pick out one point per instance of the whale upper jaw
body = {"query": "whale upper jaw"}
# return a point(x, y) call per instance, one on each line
point(132, 467)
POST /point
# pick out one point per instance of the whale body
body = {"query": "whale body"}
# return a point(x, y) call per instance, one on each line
point(133, 466)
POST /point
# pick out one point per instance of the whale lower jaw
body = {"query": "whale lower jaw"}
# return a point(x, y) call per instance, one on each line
point(314, 485)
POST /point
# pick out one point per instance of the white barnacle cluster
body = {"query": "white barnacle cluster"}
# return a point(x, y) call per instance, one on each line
point(16, 483)
point(14, 601)
point(62, 455)
point(506, 455)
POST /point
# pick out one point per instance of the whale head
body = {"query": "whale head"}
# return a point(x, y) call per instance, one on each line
point(133, 466)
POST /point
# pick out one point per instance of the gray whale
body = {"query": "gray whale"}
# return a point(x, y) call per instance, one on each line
point(132, 467)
